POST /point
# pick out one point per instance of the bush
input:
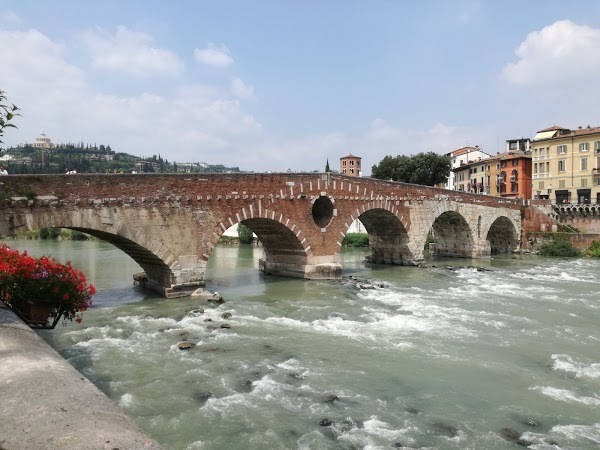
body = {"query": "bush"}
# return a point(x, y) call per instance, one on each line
point(356, 240)
point(558, 247)
point(79, 236)
point(44, 233)
point(594, 250)
point(245, 234)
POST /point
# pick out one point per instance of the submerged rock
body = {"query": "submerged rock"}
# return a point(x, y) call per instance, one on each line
point(186, 345)
point(330, 398)
point(444, 429)
point(226, 315)
point(225, 326)
point(202, 397)
point(325, 423)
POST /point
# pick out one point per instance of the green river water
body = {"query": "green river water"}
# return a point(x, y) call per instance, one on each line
point(439, 358)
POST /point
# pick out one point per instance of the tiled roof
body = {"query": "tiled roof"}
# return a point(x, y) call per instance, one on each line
point(463, 150)
point(553, 128)
point(351, 156)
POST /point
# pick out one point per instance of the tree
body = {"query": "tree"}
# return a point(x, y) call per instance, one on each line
point(428, 169)
point(7, 113)
point(245, 234)
point(327, 169)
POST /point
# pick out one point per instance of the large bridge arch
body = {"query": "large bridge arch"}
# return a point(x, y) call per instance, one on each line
point(388, 235)
point(453, 235)
point(502, 236)
point(286, 248)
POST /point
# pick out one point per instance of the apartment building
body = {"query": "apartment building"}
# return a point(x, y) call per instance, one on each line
point(566, 165)
point(508, 174)
point(462, 157)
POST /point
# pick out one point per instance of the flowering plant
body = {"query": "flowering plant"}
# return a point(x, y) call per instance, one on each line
point(45, 281)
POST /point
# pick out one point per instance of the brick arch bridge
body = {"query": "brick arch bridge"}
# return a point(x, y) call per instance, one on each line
point(169, 223)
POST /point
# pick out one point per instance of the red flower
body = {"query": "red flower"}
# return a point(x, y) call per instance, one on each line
point(43, 280)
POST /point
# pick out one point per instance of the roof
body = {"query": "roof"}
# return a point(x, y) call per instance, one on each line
point(351, 156)
point(463, 150)
point(558, 132)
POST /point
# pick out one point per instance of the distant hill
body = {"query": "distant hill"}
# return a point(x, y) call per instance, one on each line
point(86, 158)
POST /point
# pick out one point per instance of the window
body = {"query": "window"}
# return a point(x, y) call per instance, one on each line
point(548, 167)
point(535, 152)
point(503, 164)
point(584, 147)
point(583, 163)
point(541, 185)
point(534, 167)
point(561, 150)
point(584, 182)
point(351, 163)
point(562, 165)
point(561, 183)
point(515, 162)
point(597, 146)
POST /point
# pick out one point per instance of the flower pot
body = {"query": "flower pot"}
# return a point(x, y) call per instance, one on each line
point(37, 315)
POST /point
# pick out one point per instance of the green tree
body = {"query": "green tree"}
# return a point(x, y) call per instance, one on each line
point(245, 234)
point(428, 169)
point(327, 169)
point(7, 113)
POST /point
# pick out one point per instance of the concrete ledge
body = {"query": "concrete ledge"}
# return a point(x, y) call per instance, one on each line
point(45, 403)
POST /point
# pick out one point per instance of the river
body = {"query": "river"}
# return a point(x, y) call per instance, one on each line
point(444, 357)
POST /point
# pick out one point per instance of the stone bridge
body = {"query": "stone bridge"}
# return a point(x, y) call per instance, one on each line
point(170, 223)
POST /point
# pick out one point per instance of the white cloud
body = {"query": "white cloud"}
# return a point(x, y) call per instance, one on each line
point(561, 53)
point(241, 89)
point(189, 122)
point(9, 19)
point(130, 52)
point(213, 55)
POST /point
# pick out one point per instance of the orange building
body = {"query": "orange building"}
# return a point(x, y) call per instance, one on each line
point(509, 174)
point(350, 165)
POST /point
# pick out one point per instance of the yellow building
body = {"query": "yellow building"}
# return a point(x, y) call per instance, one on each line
point(566, 165)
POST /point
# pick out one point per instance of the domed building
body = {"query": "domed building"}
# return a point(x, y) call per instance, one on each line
point(43, 142)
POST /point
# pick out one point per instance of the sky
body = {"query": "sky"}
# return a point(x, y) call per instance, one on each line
point(272, 85)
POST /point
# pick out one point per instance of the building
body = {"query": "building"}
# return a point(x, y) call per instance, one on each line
point(462, 156)
point(508, 174)
point(566, 165)
point(470, 177)
point(350, 165)
point(43, 142)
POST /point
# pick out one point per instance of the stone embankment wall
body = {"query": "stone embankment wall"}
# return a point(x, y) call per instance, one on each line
point(541, 218)
point(47, 404)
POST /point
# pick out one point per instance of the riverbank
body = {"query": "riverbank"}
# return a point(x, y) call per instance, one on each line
point(47, 404)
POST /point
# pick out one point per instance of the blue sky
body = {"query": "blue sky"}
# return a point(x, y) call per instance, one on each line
point(272, 85)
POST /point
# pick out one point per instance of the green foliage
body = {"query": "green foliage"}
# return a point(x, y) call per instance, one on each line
point(430, 240)
point(594, 250)
point(356, 240)
point(79, 236)
point(44, 233)
point(327, 169)
point(428, 169)
point(558, 247)
point(7, 113)
point(245, 234)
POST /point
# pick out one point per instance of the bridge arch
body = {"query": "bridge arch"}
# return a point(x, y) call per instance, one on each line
point(286, 249)
point(453, 235)
point(388, 235)
point(502, 236)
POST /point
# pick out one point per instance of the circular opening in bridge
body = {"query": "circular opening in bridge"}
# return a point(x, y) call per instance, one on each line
point(322, 211)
